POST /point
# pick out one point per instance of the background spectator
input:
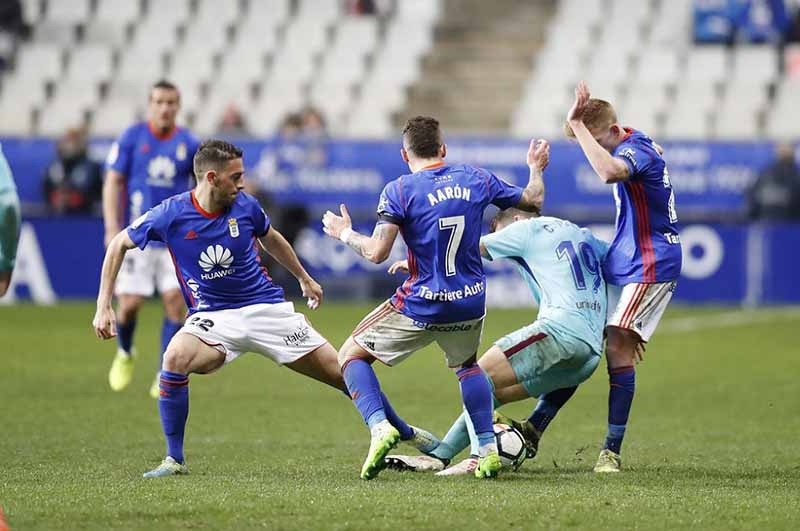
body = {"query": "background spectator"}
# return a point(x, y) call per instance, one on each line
point(232, 123)
point(73, 182)
point(776, 193)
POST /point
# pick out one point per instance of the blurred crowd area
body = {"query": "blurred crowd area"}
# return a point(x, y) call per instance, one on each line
point(316, 70)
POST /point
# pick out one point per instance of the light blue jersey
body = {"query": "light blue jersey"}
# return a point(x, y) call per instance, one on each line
point(561, 264)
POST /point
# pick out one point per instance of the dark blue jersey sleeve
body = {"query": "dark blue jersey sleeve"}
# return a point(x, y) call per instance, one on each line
point(121, 153)
point(637, 159)
point(261, 220)
point(500, 193)
point(391, 207)
point(151, 226)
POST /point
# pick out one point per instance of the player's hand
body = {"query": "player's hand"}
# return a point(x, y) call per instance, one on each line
point(333, 225)
point(105, 323)
point(539, 154)
point(401, 266)
point(575, 113)
point(311, 291)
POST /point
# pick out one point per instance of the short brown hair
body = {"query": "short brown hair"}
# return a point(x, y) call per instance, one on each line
point(165, 85)
point(598, 113)
point(213, 154)
point(508, 214)
point(422, 136)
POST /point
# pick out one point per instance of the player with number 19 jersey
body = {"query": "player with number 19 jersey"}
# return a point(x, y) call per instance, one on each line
point(439, 210)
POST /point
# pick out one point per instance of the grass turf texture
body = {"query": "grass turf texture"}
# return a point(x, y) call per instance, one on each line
point(712, 441)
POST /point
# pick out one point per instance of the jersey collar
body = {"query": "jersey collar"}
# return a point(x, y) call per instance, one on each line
point(166, 136)
point(628, 132)
point(433, 166)
point(203, 212)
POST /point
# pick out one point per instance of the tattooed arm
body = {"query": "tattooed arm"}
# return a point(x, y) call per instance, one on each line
point(375, 248)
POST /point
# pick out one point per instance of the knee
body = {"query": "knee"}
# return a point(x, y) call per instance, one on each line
point(349, 351)
point(177, 360)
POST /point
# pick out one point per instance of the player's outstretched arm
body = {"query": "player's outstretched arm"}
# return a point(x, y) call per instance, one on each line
point(112, 189)
point(375, 248)
point(104, 321)
point(280, 249)
point(532, 197)
point(609, 168)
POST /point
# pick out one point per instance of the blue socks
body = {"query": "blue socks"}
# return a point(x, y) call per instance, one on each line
point(168, 329)
point(548, 406)
point(406, 432)
point(365, 391)
point(173, 405)
point(476, 392)
point(125, 335)
point(620, 398)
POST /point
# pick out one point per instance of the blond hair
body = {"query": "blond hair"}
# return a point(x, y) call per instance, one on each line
point(598, 114)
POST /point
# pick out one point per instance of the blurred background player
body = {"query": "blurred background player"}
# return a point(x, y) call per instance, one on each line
point(644, 261)
point(150, 162)
point(561, 265)
point(10, 222)
point(234, 306)
point(439, 209)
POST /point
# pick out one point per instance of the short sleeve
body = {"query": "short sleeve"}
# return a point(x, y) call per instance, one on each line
point(510, 241)
point(501, 194)
point(635, 158)
point(150, 226)
point(261, 222)
point(391, 207)
point(121, 153)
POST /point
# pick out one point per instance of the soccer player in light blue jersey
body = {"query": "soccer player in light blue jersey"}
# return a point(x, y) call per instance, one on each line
point(10, 223)
point(438, 209)
point(644, 260)
point(234, 307)
point(151, 161)
point(561, 263)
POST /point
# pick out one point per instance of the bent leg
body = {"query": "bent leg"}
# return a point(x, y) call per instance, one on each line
point(321, 364)
point(185, 354)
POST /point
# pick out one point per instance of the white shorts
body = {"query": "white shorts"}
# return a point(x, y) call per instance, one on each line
point(275, 331)
point(638, 307)
point(145, 270)
point(391, 336)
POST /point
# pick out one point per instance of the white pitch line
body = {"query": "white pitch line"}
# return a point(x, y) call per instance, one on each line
point(728, 319)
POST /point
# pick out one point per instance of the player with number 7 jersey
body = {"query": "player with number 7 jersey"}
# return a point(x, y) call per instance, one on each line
point(438, 209)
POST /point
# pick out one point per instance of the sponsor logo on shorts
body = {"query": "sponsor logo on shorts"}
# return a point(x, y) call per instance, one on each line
point(298, 337)
point(456, 327)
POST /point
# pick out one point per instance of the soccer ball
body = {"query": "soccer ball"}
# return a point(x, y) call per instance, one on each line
point(510, 446)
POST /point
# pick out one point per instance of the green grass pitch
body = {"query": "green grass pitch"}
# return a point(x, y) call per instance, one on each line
point(712, 442)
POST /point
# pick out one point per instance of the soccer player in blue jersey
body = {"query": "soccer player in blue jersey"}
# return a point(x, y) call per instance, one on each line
point(234, 307)
point(10, 223)
point(549, 358)
point(438, 209)
point(644, 260)
point(150, 162)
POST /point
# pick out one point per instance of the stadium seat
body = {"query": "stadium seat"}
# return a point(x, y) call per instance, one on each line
point(91, 63)
point(39, 62)
point(61, 20)
point(754, 64)
point(113, 116)
point(112, 21)
point(59, 115)
point(707, 64)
